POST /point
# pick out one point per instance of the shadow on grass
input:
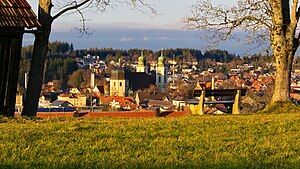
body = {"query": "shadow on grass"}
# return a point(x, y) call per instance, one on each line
point(280, 107)
point(246, 163)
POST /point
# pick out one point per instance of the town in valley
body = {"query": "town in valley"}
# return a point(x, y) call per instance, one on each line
point(101, 80)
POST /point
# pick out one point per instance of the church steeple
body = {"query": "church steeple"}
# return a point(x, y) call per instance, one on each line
point(161, 72)
point(141, 59)
point(118, 83)
point(141, 67)
point(161, 59)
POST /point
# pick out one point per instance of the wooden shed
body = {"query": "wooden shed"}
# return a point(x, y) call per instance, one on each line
point(15, 17)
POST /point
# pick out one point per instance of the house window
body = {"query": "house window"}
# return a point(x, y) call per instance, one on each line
point(114, 83)
point(120, 83)
point(159, 79)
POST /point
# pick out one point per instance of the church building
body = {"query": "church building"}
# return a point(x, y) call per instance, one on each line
point(122, 80)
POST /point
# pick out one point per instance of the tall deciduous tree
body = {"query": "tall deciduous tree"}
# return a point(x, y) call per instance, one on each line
point(273, 21)
point(79, 78)
point(40, 51)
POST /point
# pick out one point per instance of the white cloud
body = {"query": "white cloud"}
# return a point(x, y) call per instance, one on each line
point(125, 25)
point(145, 38)
point(126, 39)
point(163, 38)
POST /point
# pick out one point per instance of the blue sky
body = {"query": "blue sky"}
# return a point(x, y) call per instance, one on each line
point(121, 27)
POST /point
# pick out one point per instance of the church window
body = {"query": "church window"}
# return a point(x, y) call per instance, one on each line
point(114, 83)
point(121, 84)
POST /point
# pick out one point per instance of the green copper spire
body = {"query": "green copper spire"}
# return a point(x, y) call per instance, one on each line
point(161, 59)
point(141, 59)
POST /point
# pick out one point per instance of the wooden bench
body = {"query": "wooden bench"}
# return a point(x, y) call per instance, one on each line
point(232, 104)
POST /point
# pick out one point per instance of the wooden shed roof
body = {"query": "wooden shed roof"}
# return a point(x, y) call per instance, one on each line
point(18, 14)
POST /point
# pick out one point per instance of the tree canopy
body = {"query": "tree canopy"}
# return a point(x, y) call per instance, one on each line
point(273, 21)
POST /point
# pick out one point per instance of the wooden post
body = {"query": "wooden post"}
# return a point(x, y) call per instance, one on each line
point(201, 103)
point(157, 112)
point(10, 53)
point(237, 102)
point(213, 87)
point(92, 88)
point(193, 108)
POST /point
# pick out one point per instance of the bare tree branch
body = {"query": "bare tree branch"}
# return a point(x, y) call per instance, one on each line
point(101, 5)
point(73, 6)
point(76, 6)
point(149, 6)
point(83, 30)
point(221, 22)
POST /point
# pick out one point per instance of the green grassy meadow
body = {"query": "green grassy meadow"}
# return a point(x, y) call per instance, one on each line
point(241, 141)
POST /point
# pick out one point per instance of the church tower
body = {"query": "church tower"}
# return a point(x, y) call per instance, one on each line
point(118, 84)
point(141, 64)
point(161, 73)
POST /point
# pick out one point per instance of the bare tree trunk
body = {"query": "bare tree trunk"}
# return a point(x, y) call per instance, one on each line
point(284, 44)
point(39, 56)
point(283, 76)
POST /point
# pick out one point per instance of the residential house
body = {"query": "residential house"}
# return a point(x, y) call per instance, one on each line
point(19, 100)
point(74, 91)
point(234, 72)
point(211, 70)
point(142, 96)
point(163, 105)
point(179, 102)
point(187, 70)
point(119, 102)
point(98, 90)
point(76, 100)
point(44, 101)
point(152, 100)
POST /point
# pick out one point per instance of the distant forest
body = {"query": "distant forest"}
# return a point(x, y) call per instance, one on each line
point(61, 62)
point(63, 50)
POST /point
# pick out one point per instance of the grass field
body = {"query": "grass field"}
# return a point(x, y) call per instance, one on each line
point(243, 141)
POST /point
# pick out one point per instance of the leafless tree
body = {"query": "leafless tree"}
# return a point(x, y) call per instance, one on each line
point(273, 21)
point(46, 17)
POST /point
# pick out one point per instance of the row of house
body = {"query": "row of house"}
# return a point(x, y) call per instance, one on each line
point(121, 82)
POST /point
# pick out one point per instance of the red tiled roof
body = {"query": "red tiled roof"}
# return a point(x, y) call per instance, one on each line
point(208, 85)
point(17, 13)
point(120, 99)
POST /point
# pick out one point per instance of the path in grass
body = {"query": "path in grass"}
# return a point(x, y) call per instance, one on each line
point(255, 141)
